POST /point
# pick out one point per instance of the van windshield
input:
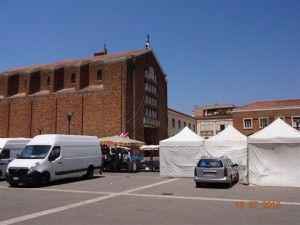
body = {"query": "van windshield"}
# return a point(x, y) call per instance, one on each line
point(35, 152)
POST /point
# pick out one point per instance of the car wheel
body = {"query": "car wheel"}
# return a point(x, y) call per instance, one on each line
point(198, 185)
point(90, 173)
point(13, 184)
point(44, 180)
point(237, 177)
point(229, 184)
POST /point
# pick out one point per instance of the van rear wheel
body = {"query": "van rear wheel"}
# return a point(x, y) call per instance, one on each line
point(90, 173)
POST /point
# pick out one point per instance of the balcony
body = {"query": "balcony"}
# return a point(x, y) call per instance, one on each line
point(150, 122)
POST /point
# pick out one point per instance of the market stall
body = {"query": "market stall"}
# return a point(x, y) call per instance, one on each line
point(120, 153)
point(274, 154)
point(179, 154)
point(150, 157)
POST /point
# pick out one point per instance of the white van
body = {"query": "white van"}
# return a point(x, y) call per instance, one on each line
point(9, 149)
point(51, 157)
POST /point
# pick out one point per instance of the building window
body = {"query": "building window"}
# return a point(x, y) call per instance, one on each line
point(222, 127)
point(48, 81)
point(184, 124)
point(73, 78)
point(179, 124)
point(247, 123)
point(296, 121)
point(194, 128)
point(189, 125)
point(173, 122)
point(263, 122)
point(99, 75)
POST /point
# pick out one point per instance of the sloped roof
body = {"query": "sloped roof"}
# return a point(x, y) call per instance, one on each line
point(103, 58)
point(277, 132)
point(228, 134)
point(269, 105)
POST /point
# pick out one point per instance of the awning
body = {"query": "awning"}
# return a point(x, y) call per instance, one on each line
point(150, 147)
point(120, 141)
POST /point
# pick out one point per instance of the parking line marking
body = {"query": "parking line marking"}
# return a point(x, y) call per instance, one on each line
point(205, 198)
point(73, 191)
point(65, 190)
point(78, 204)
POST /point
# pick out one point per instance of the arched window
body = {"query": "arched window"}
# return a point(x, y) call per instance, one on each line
point(73, 78)
point(99, 75)
point(48, 81)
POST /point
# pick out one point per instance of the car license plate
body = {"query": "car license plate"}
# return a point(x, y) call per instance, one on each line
point(210, 174)
point(15, 178)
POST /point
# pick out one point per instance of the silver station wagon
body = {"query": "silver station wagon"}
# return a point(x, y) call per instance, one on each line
point(215, 170)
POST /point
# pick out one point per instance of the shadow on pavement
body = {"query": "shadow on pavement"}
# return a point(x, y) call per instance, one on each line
point(61, 182)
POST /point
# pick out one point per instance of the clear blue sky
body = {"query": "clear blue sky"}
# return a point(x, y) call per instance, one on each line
point(213, 51)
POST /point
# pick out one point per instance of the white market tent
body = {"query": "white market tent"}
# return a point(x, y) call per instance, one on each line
point(274, 154)
point(179, 154)
point(231, 143)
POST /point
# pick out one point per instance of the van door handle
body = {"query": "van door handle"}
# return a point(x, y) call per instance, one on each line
point(59, 162)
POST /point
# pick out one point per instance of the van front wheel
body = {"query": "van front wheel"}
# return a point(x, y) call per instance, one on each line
point(90, 173)
point(44, 180)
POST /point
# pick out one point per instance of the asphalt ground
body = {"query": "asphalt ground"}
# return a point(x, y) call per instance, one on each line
point(146, 198)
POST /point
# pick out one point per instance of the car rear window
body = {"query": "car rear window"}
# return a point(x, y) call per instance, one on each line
point(210, 163)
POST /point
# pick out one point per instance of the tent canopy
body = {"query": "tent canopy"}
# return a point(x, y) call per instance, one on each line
point(274, 154)
point(186, 137)
point(180, 153)
point(277, 132)
point(230, 134)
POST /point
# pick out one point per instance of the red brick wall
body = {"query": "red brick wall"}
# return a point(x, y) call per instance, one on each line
point(104, 108)
point(271, 114)
point(19, 118)
point(3, 118)
point(151, 135)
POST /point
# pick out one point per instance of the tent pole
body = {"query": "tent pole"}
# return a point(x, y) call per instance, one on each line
point(247, 161)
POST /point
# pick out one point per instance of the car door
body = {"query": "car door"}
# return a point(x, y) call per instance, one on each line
point(233, 169)
point(56, 165)
point(4, 160)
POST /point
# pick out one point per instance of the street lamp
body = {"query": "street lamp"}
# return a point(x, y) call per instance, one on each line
point(69, 117)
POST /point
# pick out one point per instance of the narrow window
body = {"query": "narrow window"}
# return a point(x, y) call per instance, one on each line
point(99, 75)
point(173, 122)
point(179, 124)
point(73, 78)
point(222, 127)
point(48, 81)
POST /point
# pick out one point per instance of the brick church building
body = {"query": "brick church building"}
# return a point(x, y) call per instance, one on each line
point(104, 95)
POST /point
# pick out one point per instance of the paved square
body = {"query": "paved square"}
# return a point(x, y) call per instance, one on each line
point(146, 198)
